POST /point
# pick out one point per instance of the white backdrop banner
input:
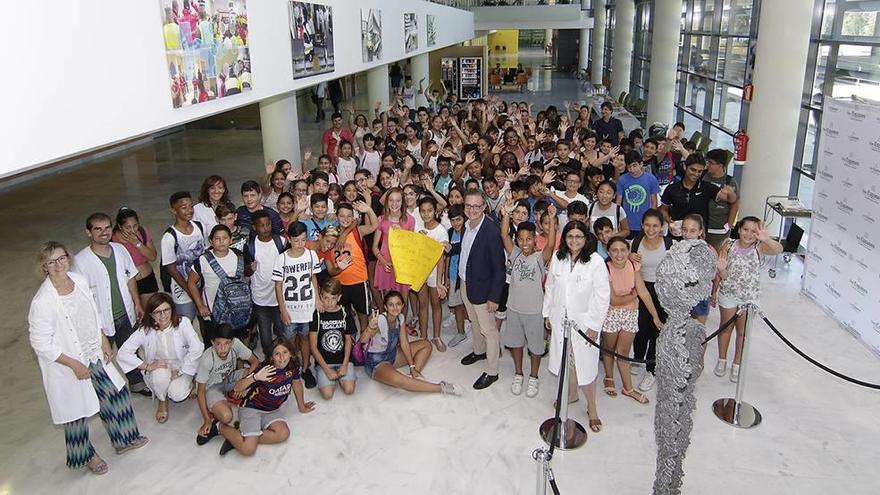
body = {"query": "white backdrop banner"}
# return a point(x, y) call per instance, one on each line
point(842, 272)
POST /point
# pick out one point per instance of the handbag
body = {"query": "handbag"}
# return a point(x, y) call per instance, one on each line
point(359, 352)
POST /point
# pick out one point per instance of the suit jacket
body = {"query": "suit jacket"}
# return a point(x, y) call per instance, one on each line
point(485, 270)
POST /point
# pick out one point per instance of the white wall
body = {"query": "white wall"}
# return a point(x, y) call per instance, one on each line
point(89, 73)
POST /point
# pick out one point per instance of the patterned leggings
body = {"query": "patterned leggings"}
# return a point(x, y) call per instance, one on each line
point(116, 414)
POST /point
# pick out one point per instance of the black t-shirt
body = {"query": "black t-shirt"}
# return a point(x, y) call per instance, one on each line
point(332, 327)
point(683, 201)
point(608, 130)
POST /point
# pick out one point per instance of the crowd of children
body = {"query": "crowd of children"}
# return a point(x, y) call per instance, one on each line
point(297, 285)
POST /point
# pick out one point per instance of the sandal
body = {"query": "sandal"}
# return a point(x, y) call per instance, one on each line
point(99, 467)
point(161, 416)
point(439, 344)
point(609, 387)
point(596, 425)
point(134, 444)
point(635, 395)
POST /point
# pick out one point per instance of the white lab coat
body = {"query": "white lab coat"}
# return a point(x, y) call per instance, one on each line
point(87, 263)
point(186, 345)
point(52, 334)
point(585, 293)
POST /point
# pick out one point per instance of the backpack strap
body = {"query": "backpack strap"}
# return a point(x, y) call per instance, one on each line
point(280, 243)
point(636, 243)
point(215, 265)
point(170, 230)
point(239, 268)
point(200, 226)
point(667, 241)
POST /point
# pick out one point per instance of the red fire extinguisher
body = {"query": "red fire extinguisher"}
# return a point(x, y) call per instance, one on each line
point(740, 146)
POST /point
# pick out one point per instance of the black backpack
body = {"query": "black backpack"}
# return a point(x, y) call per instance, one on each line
point(667, 241)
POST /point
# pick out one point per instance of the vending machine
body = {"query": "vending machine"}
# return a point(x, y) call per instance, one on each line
point(470, 75)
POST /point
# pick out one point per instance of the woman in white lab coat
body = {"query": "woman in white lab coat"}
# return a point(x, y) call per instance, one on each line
point(171, 352)
point(65, 332)
point(577, 284)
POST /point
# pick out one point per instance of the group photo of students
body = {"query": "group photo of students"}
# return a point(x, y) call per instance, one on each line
point(284, 286)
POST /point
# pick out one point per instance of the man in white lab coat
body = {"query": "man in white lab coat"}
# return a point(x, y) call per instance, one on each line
point(111, 274)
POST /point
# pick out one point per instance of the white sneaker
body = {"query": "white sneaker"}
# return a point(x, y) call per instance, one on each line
point(647, 382)
point(457, 339)
point(449, 321)
point(734, 373)
point(516, 387)
point(468, 328)
point(635, 369)
point(451, 389)
point(721, 367)
point(532, 389)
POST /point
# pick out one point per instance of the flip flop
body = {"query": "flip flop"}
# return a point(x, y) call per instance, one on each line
point(439, 344)
point(161, 417)
point(596, 425)
point(134, 444)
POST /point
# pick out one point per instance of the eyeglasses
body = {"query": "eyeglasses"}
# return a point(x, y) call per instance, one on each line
point(474, 207)
point(161, 312)
point(57, 261)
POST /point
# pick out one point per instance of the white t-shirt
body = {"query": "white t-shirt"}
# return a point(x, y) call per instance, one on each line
point(210, 280)
point(345, 169)
point(415, 149)
point(205, 215)
point(372, 161)
point(441, 235)
point(614, 213)
point(295, 274)
point(563, 214)
point(189, 248)
point(262, 286)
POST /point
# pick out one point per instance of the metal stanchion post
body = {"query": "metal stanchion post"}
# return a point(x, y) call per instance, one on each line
point(559, 431)
point(540, 455)
point(735, 411)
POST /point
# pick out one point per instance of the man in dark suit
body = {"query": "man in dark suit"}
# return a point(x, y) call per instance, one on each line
point(481, 271)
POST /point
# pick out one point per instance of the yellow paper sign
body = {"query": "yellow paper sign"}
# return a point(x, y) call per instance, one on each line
point(413, 255)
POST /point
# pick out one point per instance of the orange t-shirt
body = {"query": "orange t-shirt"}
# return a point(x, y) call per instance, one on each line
point(356, 273)
point(541, 241)
point(623, 281)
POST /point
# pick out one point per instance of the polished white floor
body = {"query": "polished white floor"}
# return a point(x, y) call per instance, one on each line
point(819, 434)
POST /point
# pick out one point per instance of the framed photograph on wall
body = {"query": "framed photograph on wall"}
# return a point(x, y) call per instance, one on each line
point(311, 39)
point(432, 30)
point(410, 32)
point(371, 34)
point(206, 49)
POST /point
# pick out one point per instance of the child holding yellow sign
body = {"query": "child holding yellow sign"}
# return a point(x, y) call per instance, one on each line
point(435, 287)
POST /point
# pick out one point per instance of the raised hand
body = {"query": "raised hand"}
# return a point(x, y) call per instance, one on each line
point(548, 177)
point(763, 235)
point(374, 319)
point(270, 167)
point(264, 373)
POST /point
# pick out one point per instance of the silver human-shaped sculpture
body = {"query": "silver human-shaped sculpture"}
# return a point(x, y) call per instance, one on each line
point(684, 278)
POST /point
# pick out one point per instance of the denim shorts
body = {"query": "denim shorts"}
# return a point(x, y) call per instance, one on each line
point(701, 309)
point(294, 329)
point(323, 381)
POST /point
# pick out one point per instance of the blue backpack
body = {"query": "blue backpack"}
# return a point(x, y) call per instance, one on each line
point(233, 303)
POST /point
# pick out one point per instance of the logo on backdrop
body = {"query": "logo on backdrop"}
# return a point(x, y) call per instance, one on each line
point(872, 195)
point(835, 269)
point(858, 287)
point(850, 162)
point(847, 183)
point(830, 132)
point(813, 255)
point(869, 217)
point(841, 227)
point(875, 144)
point(875, 169)
point(829, 288)
point(838, 250)
point(820, 216)
point(853, 138)
point(862, 264)
point(844, 207)
point(856, 116)
point(825, 175)
point(865, 242)
point(855, 307)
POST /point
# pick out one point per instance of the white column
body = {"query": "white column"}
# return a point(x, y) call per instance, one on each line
point(598, 54)
point(584, 41)
point(378, 85)
point(664, 61)
point(784, 31)
point(621, 57)
point(419, 68)
point(279, 124)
